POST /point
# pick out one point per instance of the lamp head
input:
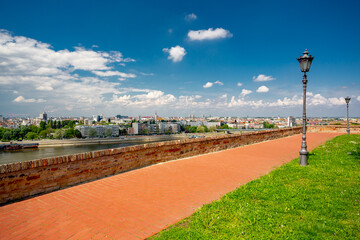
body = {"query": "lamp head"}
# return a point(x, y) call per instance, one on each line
point(305, 61)
point(347, 99)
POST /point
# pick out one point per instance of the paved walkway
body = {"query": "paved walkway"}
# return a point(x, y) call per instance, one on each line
point(139, 203)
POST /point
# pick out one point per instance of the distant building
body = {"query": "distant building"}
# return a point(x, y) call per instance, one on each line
point(1, 118)
point(136, 128)
point(96, 118)
point(87, 121)
point(291, 121)
point(43, 116)
point(101, 130)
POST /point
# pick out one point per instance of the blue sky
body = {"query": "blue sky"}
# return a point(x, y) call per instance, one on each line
point(219, 58)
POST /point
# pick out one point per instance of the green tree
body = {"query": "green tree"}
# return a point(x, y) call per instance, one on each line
point(193, 129)
point(122, 132)
point(43, 133)
point(92, 132)
point(206, 128)
point(108, 132)
point(42, 125)
point(77, 133)
point(200, 129)
point(15, 134)
point(24, 131)
point(69, 133)
point(34, 129)
point(212, 129)
point(6, 136)
point(31, 136)
point(268, 125)
point(59, 134)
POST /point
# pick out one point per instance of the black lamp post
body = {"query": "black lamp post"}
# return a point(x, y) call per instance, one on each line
point(347, 100)
point(305, 63)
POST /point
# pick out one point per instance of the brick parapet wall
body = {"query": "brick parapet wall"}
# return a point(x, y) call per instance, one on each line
point(24, 179)
point(334, 128)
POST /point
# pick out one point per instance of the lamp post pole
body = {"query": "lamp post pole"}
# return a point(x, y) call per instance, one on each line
point(304, 152)
point(305, 63)
point(347, 100)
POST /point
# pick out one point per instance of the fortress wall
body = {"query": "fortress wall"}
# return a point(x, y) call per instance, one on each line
point(25, 179)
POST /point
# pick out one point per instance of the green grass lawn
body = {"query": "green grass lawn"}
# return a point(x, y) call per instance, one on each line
point(320, 201)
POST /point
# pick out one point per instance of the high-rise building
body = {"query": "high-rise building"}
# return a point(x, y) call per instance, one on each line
point(291, 122)
point(96, 118)
point(43, 116)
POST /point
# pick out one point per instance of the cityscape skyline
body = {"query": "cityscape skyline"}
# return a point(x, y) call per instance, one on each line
point(178, 58)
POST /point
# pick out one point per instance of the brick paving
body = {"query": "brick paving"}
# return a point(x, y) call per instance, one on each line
point(140, 203)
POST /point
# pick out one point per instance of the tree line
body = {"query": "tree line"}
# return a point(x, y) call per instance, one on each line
point(51, 129)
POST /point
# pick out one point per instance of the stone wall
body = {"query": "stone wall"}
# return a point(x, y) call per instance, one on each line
point(20, 180)
point(334, 128)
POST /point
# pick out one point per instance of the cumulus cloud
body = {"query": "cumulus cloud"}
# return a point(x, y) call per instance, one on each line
point(114, 73)
point(239, 84)
point(210, 84)
point(358, 98)
point(262, 89)
point(44, 88)
point(209, 34)
point(37, 69)
point(31, 68)
point(21, 99)
point(25, 56)
point(176, 54)
point(147, 99)
point(245, 92)
point(190, 17)
point(337, 101)
point(262, 78)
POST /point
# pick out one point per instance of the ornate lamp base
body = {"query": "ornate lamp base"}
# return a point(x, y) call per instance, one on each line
point(303, 158)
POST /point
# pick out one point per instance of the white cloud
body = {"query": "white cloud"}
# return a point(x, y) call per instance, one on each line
point(44, 88)
point(176, 54)
point(190, 17)
point(208, 85)
point(30, 68)
point(209, 34)
point(20, 99)
point(148, 99)
point(337, 101)
point(262, 78)
point(114, 73)
point(262, 89)
point(218, 83)
point(245, 92)
point(239, 84)
point(25, 56)
point(147, 74)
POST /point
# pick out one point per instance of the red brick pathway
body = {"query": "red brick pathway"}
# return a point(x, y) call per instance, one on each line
point(139, 203)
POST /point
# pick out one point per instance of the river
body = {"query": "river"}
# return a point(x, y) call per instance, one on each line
point(12, 156)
